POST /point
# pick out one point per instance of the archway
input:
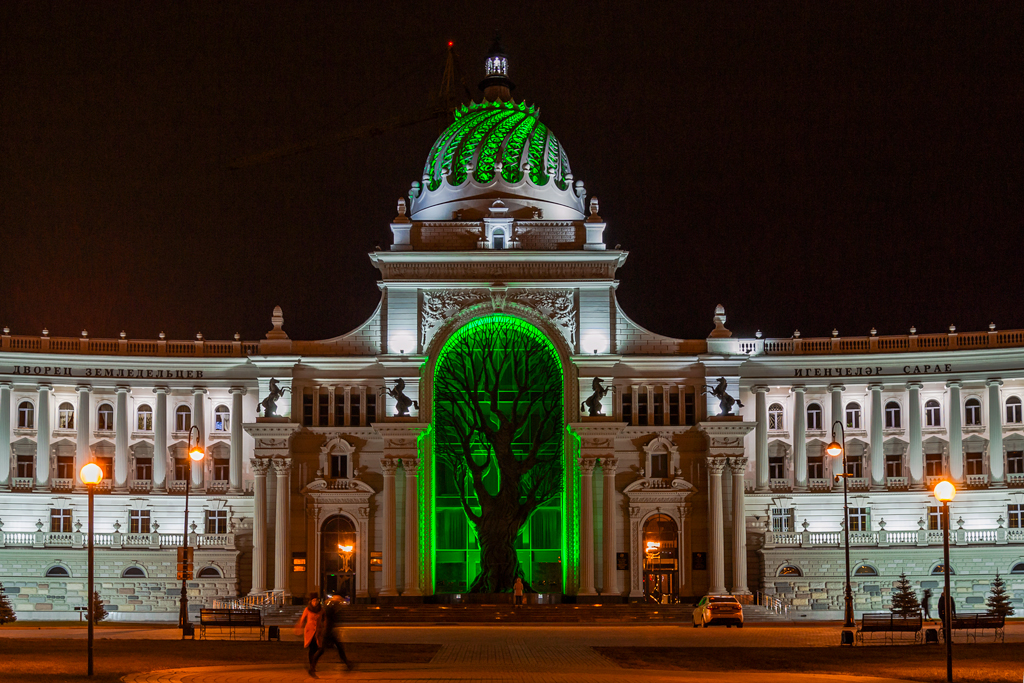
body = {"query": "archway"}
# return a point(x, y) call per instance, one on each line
point(661, 559)
point(337, 557)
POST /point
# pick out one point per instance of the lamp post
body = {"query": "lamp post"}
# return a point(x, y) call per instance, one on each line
point(837, 448)
point(346, 556)
point(652, 553)
point(195, 454)
point(91, 475)
point(944, 492)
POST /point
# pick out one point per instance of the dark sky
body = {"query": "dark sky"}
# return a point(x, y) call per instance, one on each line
point(808, 165)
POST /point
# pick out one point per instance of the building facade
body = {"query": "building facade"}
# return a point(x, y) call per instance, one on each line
point(342, 487)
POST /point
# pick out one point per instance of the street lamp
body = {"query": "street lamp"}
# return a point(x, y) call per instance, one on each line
point(835, 449)
point(91, 475)
point(944, 492)
point(195, 454)
point(346, 556)
point(652, 553)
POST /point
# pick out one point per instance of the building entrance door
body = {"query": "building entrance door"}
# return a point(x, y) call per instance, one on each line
point(661, 559)
point(337, 557)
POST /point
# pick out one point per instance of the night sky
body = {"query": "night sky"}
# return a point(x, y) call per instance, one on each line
point(808, 166)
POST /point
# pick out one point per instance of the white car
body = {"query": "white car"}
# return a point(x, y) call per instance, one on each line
point(718, 609)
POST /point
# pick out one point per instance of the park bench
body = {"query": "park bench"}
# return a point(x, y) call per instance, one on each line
point(889, 624)
point(230, 619)
point(972, 623)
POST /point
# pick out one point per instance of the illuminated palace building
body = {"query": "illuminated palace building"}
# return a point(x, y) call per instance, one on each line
point(500, 416)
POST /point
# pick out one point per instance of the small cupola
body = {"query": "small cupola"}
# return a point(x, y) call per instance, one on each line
point(496, 84)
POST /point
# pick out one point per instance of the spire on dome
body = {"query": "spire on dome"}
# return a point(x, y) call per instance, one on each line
point(496, 84)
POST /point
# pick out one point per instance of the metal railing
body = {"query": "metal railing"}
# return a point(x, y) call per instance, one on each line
point(260, 601)
point(771, 603)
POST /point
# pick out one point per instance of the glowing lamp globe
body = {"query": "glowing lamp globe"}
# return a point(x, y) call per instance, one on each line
point(196, 453)
point(834, 449)
point(944, 491)
point(91, 473)
point(345, 548)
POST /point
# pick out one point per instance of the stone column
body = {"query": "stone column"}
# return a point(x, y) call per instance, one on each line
point(761, 437)
point(121, 429)
point(877, 452)
point(82, 417)
point(259, 525)
point(915, 449)
point(199, 421)
point(235, 468)
point(836, 390)
point(611, 574)
point(43, 437)
point(412, 527)
point(5, 435)
point(716, 527)
point(160, 439)
point(799, 438)
point(739, 527)
point(282, 474)
point(587, 526)
point(388, 587)
point(995, 433)
point(956, 432)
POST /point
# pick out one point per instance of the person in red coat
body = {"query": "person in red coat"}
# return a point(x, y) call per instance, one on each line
point(311, 626)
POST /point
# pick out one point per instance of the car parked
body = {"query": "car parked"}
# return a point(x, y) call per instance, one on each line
point(718, 609)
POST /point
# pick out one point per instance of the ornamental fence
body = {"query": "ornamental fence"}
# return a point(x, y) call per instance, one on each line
point(885, 538)
point(115, 540)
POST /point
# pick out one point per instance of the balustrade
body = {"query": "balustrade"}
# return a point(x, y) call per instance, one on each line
point(77, 539)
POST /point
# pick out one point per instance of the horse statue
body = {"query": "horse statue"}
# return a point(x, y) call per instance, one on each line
point(269, 404)
point(402, 402)
point(725, 401)
point(593, 403)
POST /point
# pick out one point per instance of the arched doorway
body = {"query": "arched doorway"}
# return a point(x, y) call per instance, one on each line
point(661, 559)
point(337, 557)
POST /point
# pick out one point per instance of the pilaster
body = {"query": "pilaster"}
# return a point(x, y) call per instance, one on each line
point(996, 469)
point(587, 526)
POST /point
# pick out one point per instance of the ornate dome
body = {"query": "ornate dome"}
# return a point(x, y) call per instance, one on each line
point(497, 150)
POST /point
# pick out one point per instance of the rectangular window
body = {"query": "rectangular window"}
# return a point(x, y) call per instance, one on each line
point(138, 521)
point(307, 407)
point(339, 466)
point(105, 418)
point(323, 408)
point(143, 469)
point(777, 467)
point(181, 469)
point(641, 406)
point(816, 467)
point(973, 463)
point(853, 416)
point(894, 466)
point(658, 407)
point(60, 520)
point(892, 416)
point(353, 407)
point(855, 467)
point(339, 407)
point(782, 520)
point(932, 414)
point(66, 417)
point(814, 418)
point(26, 466)
point(934, 518)
point(65, 467)
point(1015, 515)
point(145, 420)
point(690, 406)
point(858, 519)
point(673, 406)
point(106, 463)
point(216, 521)
point(1013, 411)
point(371, 405)
point(933, 464)
point(659, 466)
point(26, 416)
point(1015, 462)
point(221, 469)
point(627, 405)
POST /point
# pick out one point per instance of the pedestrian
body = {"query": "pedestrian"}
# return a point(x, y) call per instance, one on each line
point(518, 589)
point(311, 627)
point(942, 608)
point(331, 619)
point(926, 603)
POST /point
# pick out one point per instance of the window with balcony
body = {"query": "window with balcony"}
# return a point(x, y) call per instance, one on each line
point(859, 519)
point(814, 417)
point(816, 467)
point(182, 419)
point(65, 467)
point(144, 418)
point(1015, 516)
point(105, 417)
point(775, 422)
point(1013, 410)
point(973, 463)
point(932, 413)
point(65, 416)
point(143, 468)
point(26, 466)
point(893, 465)
point(181, 469)
point(216, 521)
point(26, 415)
point(933, 465)
point(853, 416)
point(893, 415)
point(972, 412)
point(138, 521)
point(221, 469)
point(855, 467)
point(782, 520)
point(1015, 462)
point(339, 465)
point(777, 467)
point(934, 518)
point(60, 520)
point(221, 419)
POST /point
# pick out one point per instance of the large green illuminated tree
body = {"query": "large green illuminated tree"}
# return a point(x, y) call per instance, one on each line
point(498, 415)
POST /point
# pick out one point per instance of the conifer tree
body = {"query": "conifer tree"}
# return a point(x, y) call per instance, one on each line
point(6, 608)
point(99, 612)
point(904, 599)
point(998, 602)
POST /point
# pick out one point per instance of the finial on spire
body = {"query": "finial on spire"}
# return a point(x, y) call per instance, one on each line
point(496, 84)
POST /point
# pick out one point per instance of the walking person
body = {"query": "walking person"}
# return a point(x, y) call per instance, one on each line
point(518, 589)
point(926, 603)
point(942, 608)
point(311, 625)
point(332, 618)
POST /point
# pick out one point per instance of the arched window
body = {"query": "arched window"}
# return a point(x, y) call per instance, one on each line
point(892, 415)
point(105, 418)
point(208, 573)
point(941, 568)
point(145, 418)
point(26, 415)
point(1013, 410)
point(790, 570)
point(65, 416)
point(775, 417)
point(57, 570)
point(1018, 568)
point(498, 238)
point(133, 573)
point(865, 570)
point(182, 419)
point(853, 416)
point(932, 413)
point(222, 419)
point(814, 416)
point(972, 412)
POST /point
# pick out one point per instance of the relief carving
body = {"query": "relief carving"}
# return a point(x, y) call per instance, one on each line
point(557, 305)
point(439, 305)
